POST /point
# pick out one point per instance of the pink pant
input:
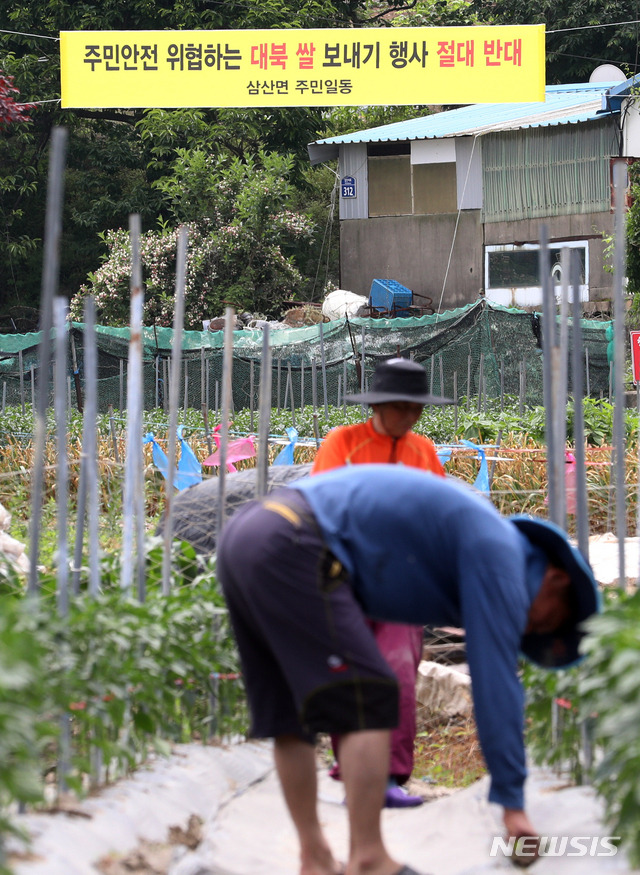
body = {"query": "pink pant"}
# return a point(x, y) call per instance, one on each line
point(401, 646)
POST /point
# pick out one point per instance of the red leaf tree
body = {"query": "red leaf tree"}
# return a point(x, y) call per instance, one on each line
point(10, 111)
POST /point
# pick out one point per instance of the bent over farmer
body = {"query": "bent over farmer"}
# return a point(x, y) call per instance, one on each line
point(304, 567)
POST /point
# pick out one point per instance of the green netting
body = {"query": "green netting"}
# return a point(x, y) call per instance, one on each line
point(481, 349)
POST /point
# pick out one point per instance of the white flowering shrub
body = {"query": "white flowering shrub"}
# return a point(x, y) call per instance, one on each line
point(242, 240)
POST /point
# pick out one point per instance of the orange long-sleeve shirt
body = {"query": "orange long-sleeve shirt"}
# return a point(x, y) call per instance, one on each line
point(361, 444)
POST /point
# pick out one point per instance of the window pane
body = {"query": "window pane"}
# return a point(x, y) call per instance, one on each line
point(519, 268)
point(513, 269)
point(390, 186)
point(434, 188)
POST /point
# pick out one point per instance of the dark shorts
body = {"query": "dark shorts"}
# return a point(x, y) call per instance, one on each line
point(310, 662)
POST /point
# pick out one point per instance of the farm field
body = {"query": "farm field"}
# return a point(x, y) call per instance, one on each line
point(87, 695)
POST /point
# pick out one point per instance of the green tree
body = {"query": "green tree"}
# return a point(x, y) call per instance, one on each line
point(580, 36)
point(242, 237)
point(115, 156)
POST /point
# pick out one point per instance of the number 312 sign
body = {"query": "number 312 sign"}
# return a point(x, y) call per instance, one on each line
point(348, 186)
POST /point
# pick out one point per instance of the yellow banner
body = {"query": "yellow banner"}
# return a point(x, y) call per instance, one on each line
point(337, 67)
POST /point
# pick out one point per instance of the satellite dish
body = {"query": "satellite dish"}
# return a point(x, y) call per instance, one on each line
point(607, 73)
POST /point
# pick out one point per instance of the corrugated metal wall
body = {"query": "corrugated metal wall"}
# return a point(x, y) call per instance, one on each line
point(557, 171)
point(353, 162)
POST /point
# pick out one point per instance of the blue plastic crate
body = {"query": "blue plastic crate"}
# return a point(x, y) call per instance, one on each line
point(390, 296)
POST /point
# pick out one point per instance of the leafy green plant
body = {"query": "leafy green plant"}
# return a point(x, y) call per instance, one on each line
point(554, 719)
point(126, 676)
point(584, 721)
point(611, 691)
point(24, 692)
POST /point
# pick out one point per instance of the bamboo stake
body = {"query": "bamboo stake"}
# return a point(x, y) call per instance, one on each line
point(202, 376)
point(264, 415)
point(251, 394)
point(582, 511)
point(62, 461)
point(176, 363)
point(363, 407)
point(90, 414)
point(323, 365)
point(455, 402)
point(55, 186)
point(88, 478)
point(76, 374)
point(549, 344)
point(133, 488)
point(290, 385)
point(62, 507)
point(227, 387)
point(114, 440)
point(21, 375)
point(278, 383)
point(344, 387)
point(619, 188)
point(314, 387)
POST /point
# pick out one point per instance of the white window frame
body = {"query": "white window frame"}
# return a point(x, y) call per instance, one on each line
point(531, 296)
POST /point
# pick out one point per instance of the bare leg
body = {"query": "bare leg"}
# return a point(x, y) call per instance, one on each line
point(296, 765)
point(364, 763)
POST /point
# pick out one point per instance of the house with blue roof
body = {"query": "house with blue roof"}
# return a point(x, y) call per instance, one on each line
point(451, 204)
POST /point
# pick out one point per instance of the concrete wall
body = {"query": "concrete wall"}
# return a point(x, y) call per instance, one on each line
point(414, 250)
point(588, 226)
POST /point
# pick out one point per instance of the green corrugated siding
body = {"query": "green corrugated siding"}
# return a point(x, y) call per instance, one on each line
point(533, 173)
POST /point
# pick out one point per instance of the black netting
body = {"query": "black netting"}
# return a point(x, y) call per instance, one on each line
point(479, 350)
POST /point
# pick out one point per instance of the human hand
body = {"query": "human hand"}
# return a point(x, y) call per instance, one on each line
point(518, 825)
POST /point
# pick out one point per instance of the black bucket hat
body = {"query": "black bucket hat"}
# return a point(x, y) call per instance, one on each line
point(398, 379)
point(560, 649)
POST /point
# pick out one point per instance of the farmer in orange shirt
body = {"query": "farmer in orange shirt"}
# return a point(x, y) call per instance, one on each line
point(397, 396)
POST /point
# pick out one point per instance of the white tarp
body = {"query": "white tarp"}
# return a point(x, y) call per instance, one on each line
point(342, 303)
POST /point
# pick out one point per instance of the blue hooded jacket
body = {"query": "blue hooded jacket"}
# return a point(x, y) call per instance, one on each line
point(430, 551)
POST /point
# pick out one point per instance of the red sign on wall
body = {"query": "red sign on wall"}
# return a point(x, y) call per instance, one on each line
point(635, 355)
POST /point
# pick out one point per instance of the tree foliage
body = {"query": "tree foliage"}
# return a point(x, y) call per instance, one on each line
point(580, 35)
point(116, 156)
point(242, 236)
